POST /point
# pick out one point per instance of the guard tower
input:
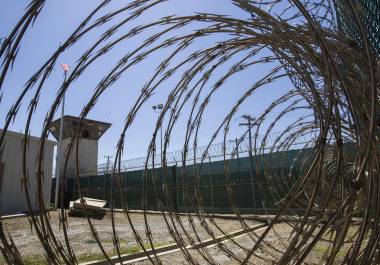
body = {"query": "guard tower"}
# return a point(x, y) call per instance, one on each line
point(91, 131)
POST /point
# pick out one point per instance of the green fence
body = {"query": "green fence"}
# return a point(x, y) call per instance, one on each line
point(368, 11)
point(218, 186)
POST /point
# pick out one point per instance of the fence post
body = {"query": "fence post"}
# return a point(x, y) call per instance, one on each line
point(211, 186)
point(88, 186)
point(75, 189)
point(237, 148)
point(104, 186)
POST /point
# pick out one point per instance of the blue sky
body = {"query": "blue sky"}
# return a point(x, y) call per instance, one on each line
point(59, 19)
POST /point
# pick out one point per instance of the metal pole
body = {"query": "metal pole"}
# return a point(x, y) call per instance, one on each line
point(108, 163)
point(162, 170)
point(88, 186)
point(237, 156)
point(107, 172)
point(211, 186)
point(104, 186)
point(159, 108)
point(250, 161)
point(237, 148)
point(59, 151)
point(177, 186)
point(248, 117)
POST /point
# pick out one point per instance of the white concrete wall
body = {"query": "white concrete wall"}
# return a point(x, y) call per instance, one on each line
point(87, 157)
point(12, 195)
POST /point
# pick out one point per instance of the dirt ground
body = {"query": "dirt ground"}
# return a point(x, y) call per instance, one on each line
point(240, 248)
point(86, 248)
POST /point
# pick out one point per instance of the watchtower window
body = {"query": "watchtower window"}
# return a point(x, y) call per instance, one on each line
point(85, 134)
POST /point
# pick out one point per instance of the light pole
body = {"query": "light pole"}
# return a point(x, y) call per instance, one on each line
point(158, 109)
point(249, 124)
point(104, 175)
point(108, 162)
point(65, 68)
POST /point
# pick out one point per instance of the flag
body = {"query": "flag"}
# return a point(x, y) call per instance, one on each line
point(65, 67)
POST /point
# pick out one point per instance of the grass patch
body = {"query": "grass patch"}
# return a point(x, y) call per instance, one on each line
point(137, 249)
point(29, 260)
point(110, 241)
point(90, 241)
point(123, 251)
point(321, 250)
point(35, 260)
point(130, 250)
point(106, 241)
point(86, 257)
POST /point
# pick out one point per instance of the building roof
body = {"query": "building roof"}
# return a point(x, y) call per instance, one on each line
point(90, 129)
point(31, 138)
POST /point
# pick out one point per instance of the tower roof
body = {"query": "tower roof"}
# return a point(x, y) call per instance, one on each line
point(90, 129)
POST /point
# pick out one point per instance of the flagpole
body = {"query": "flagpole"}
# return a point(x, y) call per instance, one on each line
point(58, 156)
